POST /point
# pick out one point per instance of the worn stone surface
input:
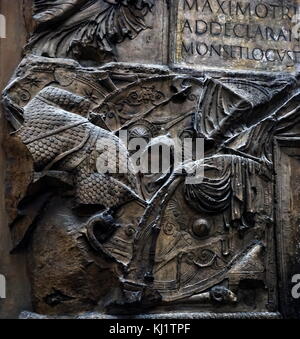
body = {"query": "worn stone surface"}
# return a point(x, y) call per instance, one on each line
point(13, 162)
point(135, 243)
point(237, 35)
point(174, 315)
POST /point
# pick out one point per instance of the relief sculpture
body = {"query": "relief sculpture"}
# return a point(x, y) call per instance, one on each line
point(133, 242)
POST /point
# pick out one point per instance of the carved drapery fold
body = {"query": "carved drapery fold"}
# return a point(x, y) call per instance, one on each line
point(86, 29)
point(158, 240)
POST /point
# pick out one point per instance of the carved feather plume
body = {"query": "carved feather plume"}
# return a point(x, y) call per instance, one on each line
point(87, 29)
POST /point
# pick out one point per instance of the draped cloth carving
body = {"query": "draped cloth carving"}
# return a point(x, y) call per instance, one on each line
point(125, 241)
point(89, 26)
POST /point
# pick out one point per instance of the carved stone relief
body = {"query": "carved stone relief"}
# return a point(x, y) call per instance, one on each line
point(136, 242)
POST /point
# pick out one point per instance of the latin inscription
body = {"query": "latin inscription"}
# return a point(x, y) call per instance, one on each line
point(238, 34)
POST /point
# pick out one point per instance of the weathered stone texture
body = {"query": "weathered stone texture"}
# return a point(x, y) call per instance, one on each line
point(128, 241)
